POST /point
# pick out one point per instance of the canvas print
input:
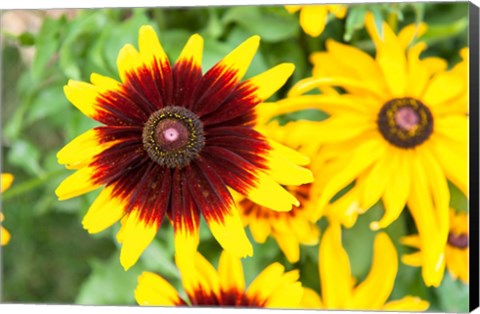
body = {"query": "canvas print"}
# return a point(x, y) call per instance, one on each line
point(272, 156)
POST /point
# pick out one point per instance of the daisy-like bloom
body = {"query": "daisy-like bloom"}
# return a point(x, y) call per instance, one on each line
point(289, 229)
point(313, 18)
point(6, 180)
point(205, 286)
point(456, 250)
point(340, 290)
point(173, 141)
point(398, 132)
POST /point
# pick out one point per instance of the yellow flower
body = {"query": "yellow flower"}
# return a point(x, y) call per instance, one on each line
point(339, 288)
point(398, 132)
point(5, 182)
point(289, 229)
point(313, 18)
point(456, 250)
point(173, 141)
point(205, 286)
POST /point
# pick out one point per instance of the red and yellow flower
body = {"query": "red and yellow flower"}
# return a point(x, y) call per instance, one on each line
point(225, 287)
point(173, 141)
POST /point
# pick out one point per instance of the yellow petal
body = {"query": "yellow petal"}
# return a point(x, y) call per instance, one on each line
point(290, 154)
point(413, 259)
point(268, 82)
point(192, 51)
point(410, 32)
point(202, 277)
point(239, 59)
point(289, 246)
point(339, 10)
point(454, 127)
point(288, 292)
point(397, 189)
point(230, 233)
point(270, 194)
point(150, 49)
point(260, 229)
point(412, 240)
point(372, 293)
point(77, 184)
point(186, 243)
point(128, 61)
point(6, 180)
point(83, 96)
point(104, 211)
point(423, 212)
point(136, 237)
point(390, 56)
point(292, 8)
point(310, 300)
point(453, 160)
point(334, 269)
point(230, 272)
point(361, 158)
point(408, 303)
point(283, 170)
point(153, 290)
point(418, 73)
point(359, 64)
point(313, 19)
point(81, 150)
point(375, 182)
point(4, 236)
point(442, 88)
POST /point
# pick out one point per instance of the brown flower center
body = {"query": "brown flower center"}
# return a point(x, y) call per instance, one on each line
point(459, 241)
point(173, 136)
point(405, 122)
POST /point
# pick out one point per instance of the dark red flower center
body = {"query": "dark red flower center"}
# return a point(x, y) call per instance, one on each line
point(173, 136)
point(405, 122)
point(459, 241)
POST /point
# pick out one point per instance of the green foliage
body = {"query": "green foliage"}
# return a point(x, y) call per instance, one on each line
point(51, 259)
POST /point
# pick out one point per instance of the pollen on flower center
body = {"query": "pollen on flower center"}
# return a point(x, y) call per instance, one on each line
point(173, 136)
point(459, 241)
point(405, 122)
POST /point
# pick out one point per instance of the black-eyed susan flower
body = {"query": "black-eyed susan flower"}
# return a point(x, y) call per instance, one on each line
point(6, 180)
point(313, 18)
point(289, 229)
point(205, 286)
point(340, 291)
point(456, 250)
point(173, 141)
point(398, 132)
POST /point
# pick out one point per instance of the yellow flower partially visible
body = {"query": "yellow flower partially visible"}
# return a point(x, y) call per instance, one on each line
point(339, 288)
point(5, 182)
point(456, 250)
point(289, 229)
point(206, 286)
point(313, 18)
point(397, 133)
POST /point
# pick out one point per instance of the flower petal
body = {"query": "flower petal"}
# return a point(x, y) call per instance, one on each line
point(311, 300)
point(6, 180)
point(372, 293)
point(79, 183)
point(136, 237)
point(230, 273)
point(408, 303)
point(334, 269)
point(153, 290)
point(268, 82)
point(104, 211)
point(240, 58)
point(313, 19)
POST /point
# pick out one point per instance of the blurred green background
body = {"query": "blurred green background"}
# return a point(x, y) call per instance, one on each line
point(50, 258)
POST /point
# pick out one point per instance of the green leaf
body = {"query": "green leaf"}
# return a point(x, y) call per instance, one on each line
point(47, 43)
point(453, 295)
point(355, 20)
point(269, 25)
point(109, 284)
point(47, 102)
point(26, 39)
point(440, 32)
point(458, 200)
point(26, 156)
